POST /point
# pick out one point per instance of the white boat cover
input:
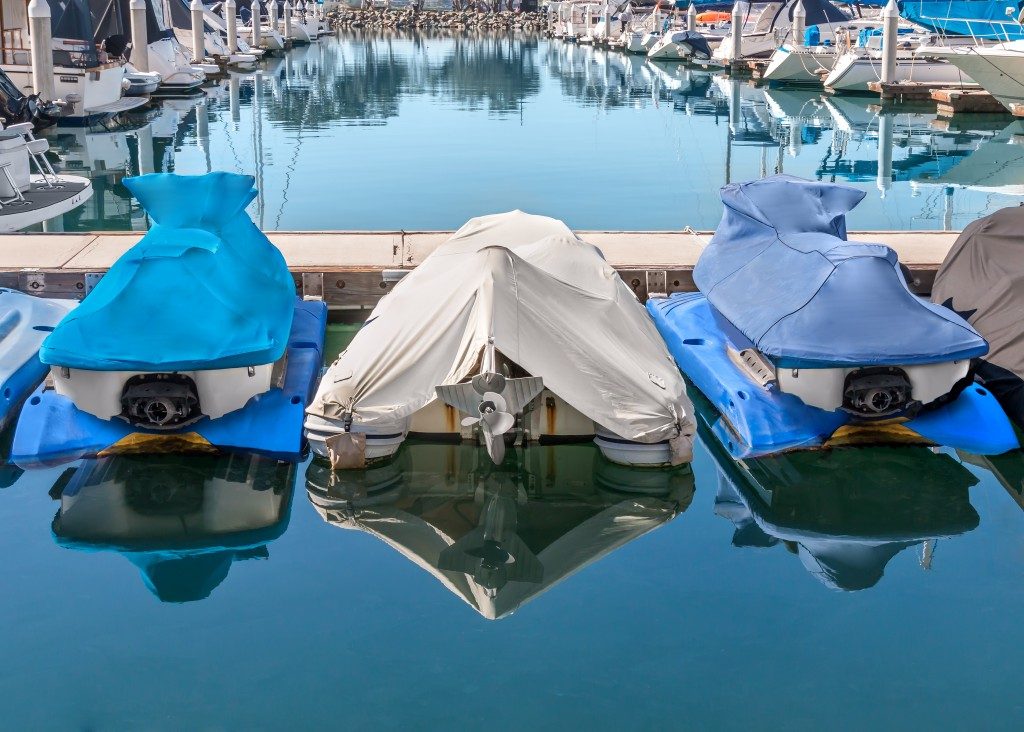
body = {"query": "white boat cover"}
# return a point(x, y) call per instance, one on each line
point(553, 306)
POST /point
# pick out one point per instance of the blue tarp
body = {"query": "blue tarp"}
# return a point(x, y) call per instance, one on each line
point(204, 289)
point(984, 19)
point(780, 270)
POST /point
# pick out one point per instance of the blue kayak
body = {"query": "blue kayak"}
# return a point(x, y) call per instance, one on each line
point(25, 320)
point(52, 430)
point(760, 420)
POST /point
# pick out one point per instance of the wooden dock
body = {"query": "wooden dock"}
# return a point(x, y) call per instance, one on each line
point(949, 99)
point(354, 269)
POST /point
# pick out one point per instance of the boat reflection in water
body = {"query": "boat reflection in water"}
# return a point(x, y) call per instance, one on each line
point(844, 512)
point(499, 537)
point(182, 520)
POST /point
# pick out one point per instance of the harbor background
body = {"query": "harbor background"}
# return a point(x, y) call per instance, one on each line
point(423, 131)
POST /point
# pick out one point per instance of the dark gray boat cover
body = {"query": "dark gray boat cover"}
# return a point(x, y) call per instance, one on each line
point(780, 269)
point(982, 279)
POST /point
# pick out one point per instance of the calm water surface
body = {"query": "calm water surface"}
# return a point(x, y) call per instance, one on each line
point(420, 132)
point(856, 589)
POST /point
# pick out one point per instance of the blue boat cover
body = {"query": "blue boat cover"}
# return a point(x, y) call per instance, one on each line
point(780, 270)
point(204, 289)
point(982, 19)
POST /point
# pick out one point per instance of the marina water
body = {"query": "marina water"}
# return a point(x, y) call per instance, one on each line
point(783, 601)
point(421, 132)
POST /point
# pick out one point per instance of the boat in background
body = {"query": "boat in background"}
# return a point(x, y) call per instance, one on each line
point(499, 538)
point(28, 198)
point(802, 339)
point(982, 280)
point(88, 83)
point(768, 24)
point(231, 368)
point(489, 338)
point(681, 45)
point(182, 521)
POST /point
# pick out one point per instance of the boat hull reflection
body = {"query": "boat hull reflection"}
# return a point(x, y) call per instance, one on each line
point(499, 537)
point(181, 520)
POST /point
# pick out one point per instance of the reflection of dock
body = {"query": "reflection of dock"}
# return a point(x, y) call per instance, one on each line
point(356, 268)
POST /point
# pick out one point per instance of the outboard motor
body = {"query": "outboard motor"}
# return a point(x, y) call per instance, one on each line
point(160, 401)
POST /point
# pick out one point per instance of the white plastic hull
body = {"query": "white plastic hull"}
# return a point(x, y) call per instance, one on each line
point(13, 219)
point(802, 65)
point(853, 73)
point(100, 89)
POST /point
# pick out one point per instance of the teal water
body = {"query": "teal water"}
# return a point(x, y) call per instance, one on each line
point(421, 132)
point(864, 588)
point(861, 588)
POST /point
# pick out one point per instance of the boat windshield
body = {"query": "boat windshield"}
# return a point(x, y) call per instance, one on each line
point(73, 37)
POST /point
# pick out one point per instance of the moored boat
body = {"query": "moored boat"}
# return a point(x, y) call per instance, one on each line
point(193, 340)
point(982, 280)
point(803, 339)
point(514, 329)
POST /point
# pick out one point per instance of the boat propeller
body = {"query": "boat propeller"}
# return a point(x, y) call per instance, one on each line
point(496, 401)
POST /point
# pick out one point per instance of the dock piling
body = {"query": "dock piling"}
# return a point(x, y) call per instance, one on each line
point(257, 30)
point(799, 23)
point(736, 34)
point(140, 39)
point(231, 25)
point(691, 18)
point(890, 36)
point(198, 31)
point(42, 57)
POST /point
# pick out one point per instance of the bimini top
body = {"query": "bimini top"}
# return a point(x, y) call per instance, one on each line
point(780, 269)
point(204, 289)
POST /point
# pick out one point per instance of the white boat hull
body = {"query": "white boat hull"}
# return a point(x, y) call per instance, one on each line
point(853, 72)
point(999, 69)
point(800, 65)
point(15, 217)
point(99, 90)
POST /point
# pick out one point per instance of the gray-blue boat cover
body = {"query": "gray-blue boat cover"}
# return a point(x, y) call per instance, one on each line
point(780, 269)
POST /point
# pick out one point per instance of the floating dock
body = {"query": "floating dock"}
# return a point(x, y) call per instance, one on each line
point(354, 269)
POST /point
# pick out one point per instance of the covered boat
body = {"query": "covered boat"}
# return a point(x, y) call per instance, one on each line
point(193, 338)
point(497, 538)
point(798, 336)
point(768, 23)
point(514, 328)
point(183, 522)
point(982, 280)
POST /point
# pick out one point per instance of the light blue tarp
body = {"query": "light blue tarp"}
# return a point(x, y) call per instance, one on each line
point(984, 19)
point(204, 289)
point(780, 270)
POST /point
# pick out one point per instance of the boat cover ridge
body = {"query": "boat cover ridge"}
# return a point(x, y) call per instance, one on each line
point(781, 270)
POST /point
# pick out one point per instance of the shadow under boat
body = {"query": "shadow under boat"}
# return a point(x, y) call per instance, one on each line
point(183, 521)
point(844, 512)
point(497, 537)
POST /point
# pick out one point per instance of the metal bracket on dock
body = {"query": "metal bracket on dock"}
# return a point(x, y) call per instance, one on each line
point(312, 285)
point(657, 283)
point(91, 279)
point(33, 283)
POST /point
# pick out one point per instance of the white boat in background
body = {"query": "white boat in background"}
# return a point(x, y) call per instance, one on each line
point(489, 339)
point(86, 79)
point(679, 45)
point(28, 198)
point(999, 68)
point(857, 68)
point(767, 25)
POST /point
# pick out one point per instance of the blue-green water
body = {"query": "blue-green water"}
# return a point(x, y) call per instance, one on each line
point(855, 589)
point(862, 588)
point(421, 132)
